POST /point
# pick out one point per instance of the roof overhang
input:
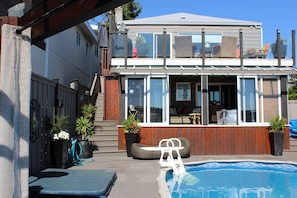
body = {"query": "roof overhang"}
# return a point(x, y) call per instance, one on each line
point(53, 16)
point(196, 66)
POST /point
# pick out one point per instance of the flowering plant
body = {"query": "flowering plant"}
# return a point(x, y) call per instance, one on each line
point(277, 124)
point(58, 128)
point(131, 125)
point(63, 135)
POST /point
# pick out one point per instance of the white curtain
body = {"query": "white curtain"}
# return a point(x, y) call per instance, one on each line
point(15, 78)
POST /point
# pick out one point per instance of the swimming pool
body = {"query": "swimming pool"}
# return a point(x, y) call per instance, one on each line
point(246, 179)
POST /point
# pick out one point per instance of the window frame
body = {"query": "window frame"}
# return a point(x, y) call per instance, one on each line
point(146, 99)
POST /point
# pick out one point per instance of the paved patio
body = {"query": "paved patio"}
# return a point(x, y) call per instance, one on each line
point(138, 178)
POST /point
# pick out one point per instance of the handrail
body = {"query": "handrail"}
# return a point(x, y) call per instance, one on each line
point(94, 89)
point(93, 84)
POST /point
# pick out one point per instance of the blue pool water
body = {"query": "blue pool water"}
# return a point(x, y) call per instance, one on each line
point(235, 179)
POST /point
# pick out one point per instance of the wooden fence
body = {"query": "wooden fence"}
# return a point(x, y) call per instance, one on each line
point(47, 98)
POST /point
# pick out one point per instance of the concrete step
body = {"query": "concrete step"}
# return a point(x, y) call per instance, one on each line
point(105, 139)
point(104, 123)
point(108, 150)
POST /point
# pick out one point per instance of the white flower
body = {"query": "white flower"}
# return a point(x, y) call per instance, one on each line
point(63, 135)
point(55, 137)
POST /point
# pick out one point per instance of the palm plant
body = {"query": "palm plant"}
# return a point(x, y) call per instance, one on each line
point(84, 127)
point(88, 110)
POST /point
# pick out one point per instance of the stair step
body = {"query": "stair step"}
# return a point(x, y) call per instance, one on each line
point(105, 133)
point(105, 139)
point(105, 123)
point(108, 150)
point(98, 138)
point(105, 142)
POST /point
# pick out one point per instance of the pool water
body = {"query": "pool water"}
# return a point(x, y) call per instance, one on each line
point(235, 179)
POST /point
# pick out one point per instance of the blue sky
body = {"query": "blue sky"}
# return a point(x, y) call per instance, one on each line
point(273, 14)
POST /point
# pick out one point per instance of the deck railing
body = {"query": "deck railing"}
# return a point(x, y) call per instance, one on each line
point(121, 46)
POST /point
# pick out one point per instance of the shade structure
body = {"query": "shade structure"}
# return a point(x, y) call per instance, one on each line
point(103, 35)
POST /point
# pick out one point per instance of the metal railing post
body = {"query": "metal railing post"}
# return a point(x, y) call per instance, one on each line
point(241, 47)
point(164, 47)
point(278, 46)
point(203, 47)
point(293, 47)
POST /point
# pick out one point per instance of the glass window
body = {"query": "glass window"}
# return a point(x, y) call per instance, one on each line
point(149, 39)
point(154, 88)
point(159, 45)
point(157, 100)
point(96, 51)
point(270, 93)
point(214, 94)
point(248, 100)
point(77, 39)
point(155, 44)
point(136, 97)
point(210, 41)
point(198, 95)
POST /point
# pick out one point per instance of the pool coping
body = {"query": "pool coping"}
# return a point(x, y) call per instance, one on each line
point(161, 180)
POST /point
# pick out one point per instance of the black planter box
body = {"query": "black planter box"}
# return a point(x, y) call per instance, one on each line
point(276, 142)
point(130, 139)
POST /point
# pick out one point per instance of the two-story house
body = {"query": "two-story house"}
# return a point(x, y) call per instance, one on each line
point(205, 78)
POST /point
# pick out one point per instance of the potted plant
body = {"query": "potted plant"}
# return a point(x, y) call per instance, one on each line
point(59, 141)
point(142, 47)
point(276, 134)
point(283, 49)
point(131, 129)
point(58, 129)
point(85, 128)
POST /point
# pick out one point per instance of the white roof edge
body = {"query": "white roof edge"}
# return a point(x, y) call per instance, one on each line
point(89, 32)
point(188, 19)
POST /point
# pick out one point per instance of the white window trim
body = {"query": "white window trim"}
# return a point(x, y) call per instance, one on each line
point(146, 101)
point(239, 101)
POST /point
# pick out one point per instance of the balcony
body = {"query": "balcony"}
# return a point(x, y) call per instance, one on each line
point(233, 53)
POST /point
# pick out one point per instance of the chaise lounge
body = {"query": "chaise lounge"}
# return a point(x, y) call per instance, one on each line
point(141, 151)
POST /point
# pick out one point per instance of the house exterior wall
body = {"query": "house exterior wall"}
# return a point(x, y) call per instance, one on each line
point(62, 59)
point(38, 58)
point(212, 140)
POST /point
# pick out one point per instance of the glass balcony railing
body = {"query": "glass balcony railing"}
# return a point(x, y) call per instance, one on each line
point(200, 45)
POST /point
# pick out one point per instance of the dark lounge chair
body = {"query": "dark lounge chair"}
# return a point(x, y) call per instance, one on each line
point(141, 151)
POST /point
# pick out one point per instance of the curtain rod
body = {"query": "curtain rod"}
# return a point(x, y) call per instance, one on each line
point(44, 16)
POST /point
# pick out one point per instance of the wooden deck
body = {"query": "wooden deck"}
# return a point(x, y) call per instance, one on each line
point(212, 140)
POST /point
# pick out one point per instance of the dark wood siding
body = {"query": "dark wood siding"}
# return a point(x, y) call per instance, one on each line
point(112, 99)
point(212, 140)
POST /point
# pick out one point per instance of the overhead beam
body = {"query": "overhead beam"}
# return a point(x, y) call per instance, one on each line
point(5, 5)
point(70, 13)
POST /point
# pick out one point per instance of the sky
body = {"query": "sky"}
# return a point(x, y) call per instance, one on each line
point(273, 14)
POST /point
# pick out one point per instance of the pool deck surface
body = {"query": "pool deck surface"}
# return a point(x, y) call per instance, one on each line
point(138, 178)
